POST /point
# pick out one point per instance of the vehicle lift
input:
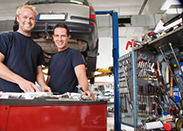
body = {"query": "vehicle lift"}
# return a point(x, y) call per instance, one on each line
point(104, 72)
point(115, 64)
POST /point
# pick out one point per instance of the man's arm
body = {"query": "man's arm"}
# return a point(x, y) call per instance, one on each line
point(41, 81)
point(8, 75)
point(48, 79)
point(83, 80)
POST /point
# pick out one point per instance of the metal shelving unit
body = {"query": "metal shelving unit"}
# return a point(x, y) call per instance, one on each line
point(152, 53)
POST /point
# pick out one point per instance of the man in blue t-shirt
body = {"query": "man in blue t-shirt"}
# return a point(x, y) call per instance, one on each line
point(21, 58)
point(66, 68)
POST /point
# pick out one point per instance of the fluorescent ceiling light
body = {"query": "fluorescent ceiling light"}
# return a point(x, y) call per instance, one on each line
point(174, 11)
point(167, 4)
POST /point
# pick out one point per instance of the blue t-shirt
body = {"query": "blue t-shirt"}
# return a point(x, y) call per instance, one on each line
point(61, 70)
point(22, 56)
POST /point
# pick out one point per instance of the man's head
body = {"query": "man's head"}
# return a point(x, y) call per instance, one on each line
point(60, 25)
point(61, 36)
point(26, 16)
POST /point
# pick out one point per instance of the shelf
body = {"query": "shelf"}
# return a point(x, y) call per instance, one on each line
point(175, 37)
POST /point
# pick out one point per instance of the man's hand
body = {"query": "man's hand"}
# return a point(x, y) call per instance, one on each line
point(45, 88)
point(28, 86)
point(89, 93)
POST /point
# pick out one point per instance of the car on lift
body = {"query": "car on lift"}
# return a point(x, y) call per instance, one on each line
point(79, 16)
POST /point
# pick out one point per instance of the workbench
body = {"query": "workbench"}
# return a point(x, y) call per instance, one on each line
point(40, 114)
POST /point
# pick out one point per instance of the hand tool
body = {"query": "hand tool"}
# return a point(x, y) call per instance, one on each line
point(153, 107)
point(150, 88)
point(167, 72)
point(79, 87)
point(172, 75)
point(171, 85)
point(181, 65)
point(125, 109)
point(160, 93)
point(175, 58)
point(160, 79)
point(141, 89)
point(160, 109)
point(159, 72)
point(148, 106)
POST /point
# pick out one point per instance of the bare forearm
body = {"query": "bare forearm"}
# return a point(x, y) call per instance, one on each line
point(40, 79)
point(83, 82)
point(81, 76)
point(8, 75)
point(48, 79)
point(24, 84)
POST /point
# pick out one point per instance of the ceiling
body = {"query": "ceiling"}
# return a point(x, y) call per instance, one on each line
point(123, 7)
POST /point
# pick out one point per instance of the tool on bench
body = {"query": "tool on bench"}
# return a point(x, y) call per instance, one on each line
point(79, 87)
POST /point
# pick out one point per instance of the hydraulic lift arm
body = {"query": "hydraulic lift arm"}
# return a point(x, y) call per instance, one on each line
point(104, 72)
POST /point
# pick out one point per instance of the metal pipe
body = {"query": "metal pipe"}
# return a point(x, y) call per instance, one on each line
point(176, 58)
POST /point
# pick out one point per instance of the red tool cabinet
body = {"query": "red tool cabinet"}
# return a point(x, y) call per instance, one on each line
point(52, 115)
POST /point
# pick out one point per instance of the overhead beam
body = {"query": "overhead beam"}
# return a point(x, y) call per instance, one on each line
point(142, 7)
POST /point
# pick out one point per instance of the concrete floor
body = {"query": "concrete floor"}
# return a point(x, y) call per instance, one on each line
point(110, 125)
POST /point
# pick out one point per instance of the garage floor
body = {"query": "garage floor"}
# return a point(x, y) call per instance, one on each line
point(110, 125)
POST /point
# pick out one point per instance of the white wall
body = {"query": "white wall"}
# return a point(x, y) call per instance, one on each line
point(105, 59)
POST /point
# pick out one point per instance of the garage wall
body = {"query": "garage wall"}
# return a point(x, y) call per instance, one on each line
point(105, 59)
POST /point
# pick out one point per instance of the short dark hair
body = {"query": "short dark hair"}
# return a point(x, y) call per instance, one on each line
point(61, 25)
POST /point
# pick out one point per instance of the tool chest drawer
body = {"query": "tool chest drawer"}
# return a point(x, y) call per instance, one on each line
point(45, 114)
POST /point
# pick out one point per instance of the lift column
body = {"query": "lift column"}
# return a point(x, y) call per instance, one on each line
point(115, 64)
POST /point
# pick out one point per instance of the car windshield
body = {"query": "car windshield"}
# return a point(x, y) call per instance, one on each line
point(32, 2)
